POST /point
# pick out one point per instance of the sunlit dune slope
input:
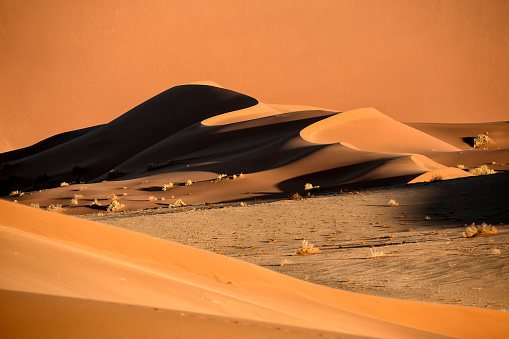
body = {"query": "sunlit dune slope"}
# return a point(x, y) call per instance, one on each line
point(196, 133)
point(44, 255)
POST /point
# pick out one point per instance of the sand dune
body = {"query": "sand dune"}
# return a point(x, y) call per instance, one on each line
point(62, 262)
point(198, 132)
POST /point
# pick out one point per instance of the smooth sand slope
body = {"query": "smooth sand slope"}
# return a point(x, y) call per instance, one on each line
point(78, 272)
point(198, 132)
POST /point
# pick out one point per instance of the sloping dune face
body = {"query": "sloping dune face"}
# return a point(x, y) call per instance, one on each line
point(197, 133)
point(370, 130)
point(57, 261)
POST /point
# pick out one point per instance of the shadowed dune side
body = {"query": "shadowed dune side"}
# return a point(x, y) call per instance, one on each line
point(111, 144)
point(53, 255)
point(45, 144)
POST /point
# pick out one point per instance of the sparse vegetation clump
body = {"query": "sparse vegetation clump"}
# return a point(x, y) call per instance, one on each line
point(114, 205)
point(296, 196)
point(95, 203)
point(307, 248)
point(166, 186)
point(481, 140)
point(16, 193)
point(152, 198)
point(64, 184)
point(74, 201)
point(310, 186)
point(460, 166)
point(113, 197)
point(436, 177)
point(35, 205)
point(54, 208)
point(286, 262)
point(374, 253)
point(481, 170)
point(189, 182)
point(178, 203)
point(393, 203)
point(475, 230)
point(221, 176)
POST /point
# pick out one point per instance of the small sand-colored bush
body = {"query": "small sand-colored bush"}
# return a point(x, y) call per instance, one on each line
point(95, 203)
point(295, 196)
point(481, 170)
point(63, 184)
point(35, 205)
point(460, 166)
point(16, 193)
point(113, 197)
point(427, 218)
point(189, 182)
point(393, 203)
point(481, 140)
point(152, 198)
point(114, 205)
point(221, 176)
point(82, 188)
point(54, 208)
point(475, 230)
point(310, 186)
point(74, 201)
point(286, 262)
point(179, 203)
point(374, 253)
point(166, 186)
point(307, 248)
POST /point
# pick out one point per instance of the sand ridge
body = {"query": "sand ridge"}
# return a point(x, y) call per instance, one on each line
point(202, 137)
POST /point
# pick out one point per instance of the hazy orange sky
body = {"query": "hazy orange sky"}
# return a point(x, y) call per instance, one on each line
point(68, 64)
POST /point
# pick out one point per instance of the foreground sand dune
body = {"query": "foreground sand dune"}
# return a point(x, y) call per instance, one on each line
point(195, 133)
point(62, 263)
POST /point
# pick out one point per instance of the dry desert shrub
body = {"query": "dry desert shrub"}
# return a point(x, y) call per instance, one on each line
point(114, 205)
point(95, 203)
point(286, 262)
point(436, 177)
point(74, 201)
point(113, 197)
point(221, 176)
point(393, 203)
point(152, 198)
point(35, 205)
point(307, 248)
point(481, 140)
point(460, 166)
point(63, 184)
point(310, 186)
point(82, 188)
point(54, 208)
point(189, 182)
point(481, 170)
point(16, 193)
point(166, 186)
point(427, 218)
point(475, 230)
point(374, 253)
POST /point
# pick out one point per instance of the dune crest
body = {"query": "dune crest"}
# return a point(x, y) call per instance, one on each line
point(371, 130)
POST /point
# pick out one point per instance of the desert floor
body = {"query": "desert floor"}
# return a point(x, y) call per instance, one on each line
point(419, 248)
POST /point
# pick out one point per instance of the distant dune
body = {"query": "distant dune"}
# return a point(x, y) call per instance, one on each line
point(232, 147)
point(67, 66)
